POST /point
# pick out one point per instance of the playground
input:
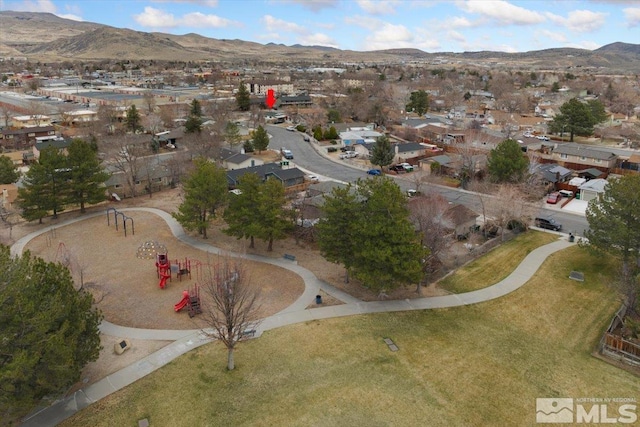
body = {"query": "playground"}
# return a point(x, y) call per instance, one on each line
point(122, 275)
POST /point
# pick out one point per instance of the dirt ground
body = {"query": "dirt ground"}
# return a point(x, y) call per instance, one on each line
point(125, 286)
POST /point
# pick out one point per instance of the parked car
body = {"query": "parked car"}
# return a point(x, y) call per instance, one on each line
point(332, 149)
point(375, 172)
point(554, 198)
point(543, 137)
point(306, 138)
point(397, 168)
point(407, 167)
point(287, 154)
point(548, 223)
point(566, 193)
point(348, 155)
point(291, 128)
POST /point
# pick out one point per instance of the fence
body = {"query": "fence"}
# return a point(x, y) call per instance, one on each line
point(615, 346)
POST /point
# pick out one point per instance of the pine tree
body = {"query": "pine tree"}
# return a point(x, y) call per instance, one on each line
point(260, 139)
point(507, 162)
point(53, 330)
point(8, 172)
point(87, 177)
point(242, 97)
point(382, 154)
point(242, 213)
point(205, 192)
point(132, 120)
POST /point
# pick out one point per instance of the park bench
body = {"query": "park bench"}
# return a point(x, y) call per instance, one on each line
point(289, 257)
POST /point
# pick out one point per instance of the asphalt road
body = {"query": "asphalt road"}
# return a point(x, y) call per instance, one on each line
point(306, 156)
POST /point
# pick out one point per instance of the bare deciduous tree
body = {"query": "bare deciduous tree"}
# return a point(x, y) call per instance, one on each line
point(509, 207)
point(230, 304)
point(428, 214)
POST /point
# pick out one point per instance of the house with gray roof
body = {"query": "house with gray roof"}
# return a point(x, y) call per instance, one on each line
point(291, 178)
point(593, 189)
point(578, 156)
point(233, 160)
point(553, 173)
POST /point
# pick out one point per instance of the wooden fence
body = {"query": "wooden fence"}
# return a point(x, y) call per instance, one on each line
point(616, 347)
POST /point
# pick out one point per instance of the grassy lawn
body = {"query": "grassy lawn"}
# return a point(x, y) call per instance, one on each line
point(498, 264)
point(469, 366)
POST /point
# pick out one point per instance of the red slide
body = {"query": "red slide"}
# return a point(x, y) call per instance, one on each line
point(163, 278)
point(183, 302)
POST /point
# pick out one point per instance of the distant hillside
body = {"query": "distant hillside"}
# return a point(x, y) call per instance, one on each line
point(48, 37)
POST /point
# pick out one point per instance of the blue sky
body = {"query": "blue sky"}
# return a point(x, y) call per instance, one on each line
point(432, 26)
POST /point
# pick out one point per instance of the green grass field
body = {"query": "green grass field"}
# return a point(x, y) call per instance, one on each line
point(497, 265)
point(467, 366)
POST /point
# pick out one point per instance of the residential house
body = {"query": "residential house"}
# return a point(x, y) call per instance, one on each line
point(592, 189)
point(551, 173)
point(577, 157)
point(232, 160)
point(292, 178)
point(19, 139)
point(169, 138)
point(461, 219)
point(153, 174)
point(426, 164)
point(358, 135)
point(31, 121)
point(59, 143)
point(299, 100)
point(79, 117)
point(408, 150)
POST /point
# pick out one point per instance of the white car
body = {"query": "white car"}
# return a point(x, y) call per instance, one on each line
point(543, 137)
point(348, 155)
point(291, 128)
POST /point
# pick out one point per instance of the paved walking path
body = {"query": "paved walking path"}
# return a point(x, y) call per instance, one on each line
point(186, 340)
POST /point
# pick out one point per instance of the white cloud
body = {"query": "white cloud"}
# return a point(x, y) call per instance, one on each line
point(502, 12)
point(632, 14)
point(317, 39)
point(368, 22)
point(460, 22)
point(70, 16)
point(554, 35)
point(198, 19)
point(275, 24)
point(269, 36)
point(390, 36)
point(31, 6)
point(156, 18)
point(210, 3)
point(580, 21)
point(316, 5)
point(456, 36)
point(378, 7)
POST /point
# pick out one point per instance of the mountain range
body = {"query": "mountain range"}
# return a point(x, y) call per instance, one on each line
point(47, 37)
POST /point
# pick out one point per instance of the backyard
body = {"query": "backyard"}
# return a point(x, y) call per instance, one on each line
point(473, 365)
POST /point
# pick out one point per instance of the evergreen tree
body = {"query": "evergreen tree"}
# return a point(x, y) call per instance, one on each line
point(49, 331)
point(418, 102)
point(132, 120)
point(260, 139)
point(205, 191)
point(8, 172)
point(575, 117)
point(369, 231)
point(242, 97)
point(242, 213)
point(232, 134)
point(46, 186)
point(194, 121)
point(87, 177)
point(597, 111)
point(336, 239)
point(272, 217)
point(507, 162)
point(382, 154)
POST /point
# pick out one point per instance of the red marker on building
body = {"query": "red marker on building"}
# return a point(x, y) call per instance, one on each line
point(271, 98)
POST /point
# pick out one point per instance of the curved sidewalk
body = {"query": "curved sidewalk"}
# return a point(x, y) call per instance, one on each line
point(186, 340)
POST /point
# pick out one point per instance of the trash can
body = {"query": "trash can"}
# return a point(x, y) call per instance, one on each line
point(571, 237)
point(318, 299)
